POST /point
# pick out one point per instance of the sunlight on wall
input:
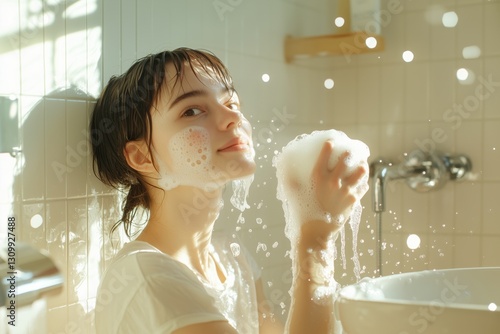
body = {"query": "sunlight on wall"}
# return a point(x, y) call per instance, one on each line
point(49, 61)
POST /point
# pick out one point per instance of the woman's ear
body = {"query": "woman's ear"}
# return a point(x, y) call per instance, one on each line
point(138, 156)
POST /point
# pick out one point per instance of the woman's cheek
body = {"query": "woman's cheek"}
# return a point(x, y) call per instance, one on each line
point(189, 159)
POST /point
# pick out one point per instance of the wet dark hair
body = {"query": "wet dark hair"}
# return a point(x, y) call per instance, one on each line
point(123, 113)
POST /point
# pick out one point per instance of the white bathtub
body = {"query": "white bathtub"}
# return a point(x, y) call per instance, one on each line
point(452, 301)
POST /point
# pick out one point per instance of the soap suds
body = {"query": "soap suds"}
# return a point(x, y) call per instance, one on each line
point(191, 161)
point(192, 165)
point(294, 166)
point(241, 188)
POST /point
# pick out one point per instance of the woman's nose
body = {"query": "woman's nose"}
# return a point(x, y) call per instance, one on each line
point(229, 118)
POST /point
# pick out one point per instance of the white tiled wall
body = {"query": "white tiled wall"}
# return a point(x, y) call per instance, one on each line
point(56, 55)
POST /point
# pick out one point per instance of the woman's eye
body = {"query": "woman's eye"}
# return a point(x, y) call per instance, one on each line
point(192, 112)
point(233, 106)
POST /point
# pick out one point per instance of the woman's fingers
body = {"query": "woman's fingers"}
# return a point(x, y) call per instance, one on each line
point(324, 155)
point(358, 175)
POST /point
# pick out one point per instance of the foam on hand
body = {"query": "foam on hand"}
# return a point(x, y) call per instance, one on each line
point(294, 165)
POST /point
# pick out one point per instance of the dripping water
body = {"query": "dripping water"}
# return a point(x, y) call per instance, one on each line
point(378, 218)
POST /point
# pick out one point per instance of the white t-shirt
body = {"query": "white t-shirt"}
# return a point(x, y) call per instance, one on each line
point(147, 291)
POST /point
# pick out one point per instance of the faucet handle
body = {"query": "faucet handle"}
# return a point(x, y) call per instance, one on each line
point(436, 169)
point(458, 165)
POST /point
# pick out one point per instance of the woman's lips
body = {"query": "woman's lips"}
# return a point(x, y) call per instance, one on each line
point(236, 144)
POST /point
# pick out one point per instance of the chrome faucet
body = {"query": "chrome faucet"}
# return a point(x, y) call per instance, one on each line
point(26, 275)
point(423, 171)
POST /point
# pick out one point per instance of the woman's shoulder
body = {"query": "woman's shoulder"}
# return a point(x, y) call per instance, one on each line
point(147, 260)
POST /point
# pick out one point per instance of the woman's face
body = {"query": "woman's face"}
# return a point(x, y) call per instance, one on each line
point(200, 138)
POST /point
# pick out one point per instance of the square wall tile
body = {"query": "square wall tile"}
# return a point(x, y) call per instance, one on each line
point(416, 92)
point(441, 89)
point(491, 87)
point(469, 106)
point(344, 97)
point(442, 137)
point(417, 35)
point(10, 68)
point(440, 251)
point(391, 143)
point(393, 32)
point(33, 146)
point(77, 151)
point(56, 234)
point(32, 225)
point(467, 252)
point(56, 168)
point(418, 136)
point(415, 259)
point(392, 254)
point(392, 218)
point(77, 250)
point(491, 150)
point(111, 46)
point(490, 251)
point(469, 137)
point(392, 93)
point(368, 94)
point(442, 210)
point(57, 320)
point(32, 65)
point(129, 48)
point(468, 208)
point(443, 40)
point(492, 27)
point(416, 211)
point(469, 32)
point(490, 208)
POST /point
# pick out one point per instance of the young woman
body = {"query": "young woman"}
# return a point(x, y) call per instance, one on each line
point(170, 130)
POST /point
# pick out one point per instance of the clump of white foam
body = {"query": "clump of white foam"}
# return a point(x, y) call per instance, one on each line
point(241, 188)
point(297, 191)
point(294, 167)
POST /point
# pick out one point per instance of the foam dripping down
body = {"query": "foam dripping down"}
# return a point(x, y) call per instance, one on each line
point(241, 188)
point(294, 166)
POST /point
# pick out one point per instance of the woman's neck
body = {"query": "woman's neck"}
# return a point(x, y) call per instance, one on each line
point(181, 224)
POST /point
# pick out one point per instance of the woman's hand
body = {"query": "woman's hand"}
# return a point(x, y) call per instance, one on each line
point(335, 191)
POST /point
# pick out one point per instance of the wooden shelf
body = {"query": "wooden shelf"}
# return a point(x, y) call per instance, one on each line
point(348, 44)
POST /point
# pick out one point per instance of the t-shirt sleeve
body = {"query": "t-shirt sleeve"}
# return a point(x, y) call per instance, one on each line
point(171, 297)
